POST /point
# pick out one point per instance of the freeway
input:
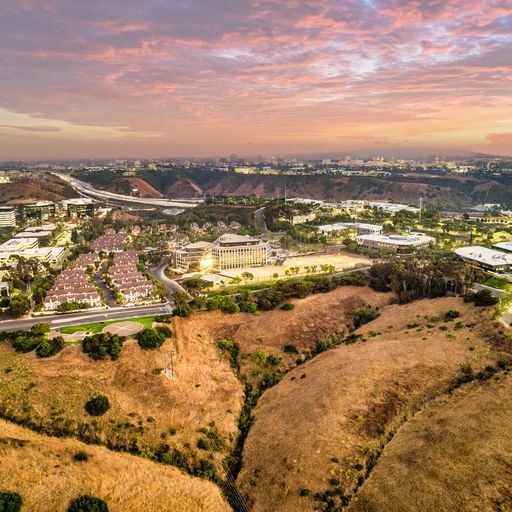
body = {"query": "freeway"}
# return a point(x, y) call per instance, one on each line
point(86, 189)
point(57, 321)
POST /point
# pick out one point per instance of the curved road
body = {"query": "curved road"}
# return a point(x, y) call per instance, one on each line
point(170, 285)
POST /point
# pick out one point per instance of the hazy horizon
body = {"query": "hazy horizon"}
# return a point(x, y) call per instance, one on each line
point(127, 79)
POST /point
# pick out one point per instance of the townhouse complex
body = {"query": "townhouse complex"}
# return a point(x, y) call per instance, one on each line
point(127, 282)
point(228, 252)
point(110, 241)
point(74, 285)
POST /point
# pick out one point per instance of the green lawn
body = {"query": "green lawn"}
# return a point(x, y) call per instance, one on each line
point(146, 321)
point(500, 284)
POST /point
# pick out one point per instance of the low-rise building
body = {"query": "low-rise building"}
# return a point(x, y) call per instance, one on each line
point(490, 259)
point(78, 207)
point(7, 216)
point(238, 251)
point(360, 228)
point(197, 255)
point(396, 243)
point(40, 211)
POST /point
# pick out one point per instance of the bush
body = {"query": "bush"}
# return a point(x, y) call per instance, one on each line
point(452, 314)
point(98, 346)
point(288, 306)
point(88, 504)
point(163, 318)
point(364, 316)
point(290, 349)
point(81, 456)
point(182, 306)
point(97, 406)
point(304, 492)
point(150, 339)
point(50, 347)
point(25, 343)
point(231, 308)
point(231, 348)
point(481, 298)
point(40, 329)
point(10, 502)
point(164, 330)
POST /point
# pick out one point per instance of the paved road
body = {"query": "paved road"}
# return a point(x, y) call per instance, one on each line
point(86, 188)
point(171, 286)
point(259, 216)
point(57, 321)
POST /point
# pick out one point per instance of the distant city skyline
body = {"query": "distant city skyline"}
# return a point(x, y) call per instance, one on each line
point(158, 79)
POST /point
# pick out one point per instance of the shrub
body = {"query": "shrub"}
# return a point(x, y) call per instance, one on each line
point(163, 329)
point(40, 329)
point(231, 308)
point(81, 456)
point(290, 349)
point(288, 306)
point(452, 314)
point(97, 406)
point(304, 492)
point(248, 307)
point(26, 343)
point(202, 444)
point(481, 298)
point(182, 306)
point(10, 502)
point(364, 316)
point(50, 347)
point(231, 348)
point(150, 339)
point(88, 504)
point(163, 318)
point(98, 346)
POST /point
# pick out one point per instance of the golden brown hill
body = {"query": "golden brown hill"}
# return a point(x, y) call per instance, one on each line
point(316, 430)
point(184, 188)
point(313, 317)
point(133, 186)
point(455, 455)
point(43, 470)
point(148, 407)
point(35, 187)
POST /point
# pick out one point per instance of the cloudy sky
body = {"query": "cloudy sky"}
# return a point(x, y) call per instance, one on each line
point(154, 78)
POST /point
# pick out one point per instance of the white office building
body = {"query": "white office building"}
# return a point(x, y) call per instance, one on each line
point(485, 257)
point(7, 216)
point(396, 243)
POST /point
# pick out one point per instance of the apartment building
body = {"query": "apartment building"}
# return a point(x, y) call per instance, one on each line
point(110, 241)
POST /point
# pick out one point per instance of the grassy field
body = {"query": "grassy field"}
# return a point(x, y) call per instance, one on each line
point(93, 328)
point(45, 473)
point(500, 284)
point(316, 430)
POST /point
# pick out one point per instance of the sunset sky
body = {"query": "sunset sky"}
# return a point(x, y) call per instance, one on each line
point(157, 78)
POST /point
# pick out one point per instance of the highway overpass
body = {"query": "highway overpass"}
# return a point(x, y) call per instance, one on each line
point(88, 190)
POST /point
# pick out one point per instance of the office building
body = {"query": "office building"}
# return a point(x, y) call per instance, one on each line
point(193, 257)
point(395, 243)
point(79, 207)
point(237, 251)
point(486, 258)
point(7, 216)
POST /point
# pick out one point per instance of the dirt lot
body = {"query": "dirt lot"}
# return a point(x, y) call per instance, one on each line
point(316, 430)
point(313, 317)
point(43, 471)
point(341, 261)
point(148, 407)
point(454, 455)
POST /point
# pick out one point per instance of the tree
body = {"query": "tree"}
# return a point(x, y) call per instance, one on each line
point(247, 276)
point(19, 306)
point(88, 503)
point(10, 502)
point(150, 339)
point(196, 284)
point(182, 306)
point(97, 405)
point(98, 346)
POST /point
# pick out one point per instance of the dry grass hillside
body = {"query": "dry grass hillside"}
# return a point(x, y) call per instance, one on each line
point(313, 317)
point(129, 185)
point(318, 430)
point(148, 408)
point(36, 187)
point(43, 470)
point(455, 455)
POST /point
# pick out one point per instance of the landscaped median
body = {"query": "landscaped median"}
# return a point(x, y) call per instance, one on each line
point(96, 327)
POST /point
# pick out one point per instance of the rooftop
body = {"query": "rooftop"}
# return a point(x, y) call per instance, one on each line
point(397, 239)
point(485, 255)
